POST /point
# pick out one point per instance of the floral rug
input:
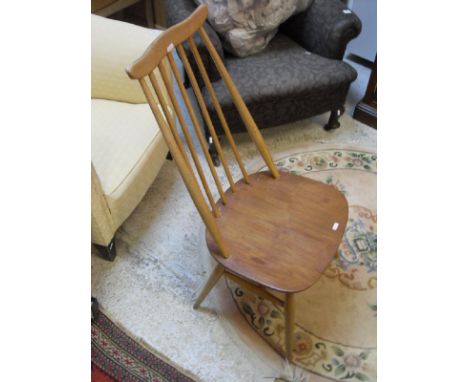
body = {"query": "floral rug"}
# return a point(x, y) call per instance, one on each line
point(335, 332)
point(162, 262)
point(115, 357)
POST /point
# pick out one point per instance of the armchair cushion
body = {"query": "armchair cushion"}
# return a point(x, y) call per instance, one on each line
point(325, 28)
point(127, 152)
point(279, 88)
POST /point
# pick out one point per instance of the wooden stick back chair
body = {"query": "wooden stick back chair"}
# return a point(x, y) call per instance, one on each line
point(268, 230)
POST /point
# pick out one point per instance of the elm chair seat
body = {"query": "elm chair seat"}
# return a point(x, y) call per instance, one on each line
point(276, 239)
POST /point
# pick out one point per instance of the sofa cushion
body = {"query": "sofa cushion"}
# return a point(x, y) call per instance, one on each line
point(272, 74)
point(115, 45)
point(275, 77)
point(127, 151)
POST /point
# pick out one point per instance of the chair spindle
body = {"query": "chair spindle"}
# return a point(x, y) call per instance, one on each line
point(185, 170)
point(241, 107)
point(206, 115)
point(188, 139)
point(196, 125)
point(167, 114)
point(219, 110)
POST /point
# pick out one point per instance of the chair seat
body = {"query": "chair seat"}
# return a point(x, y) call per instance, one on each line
point(280, 233)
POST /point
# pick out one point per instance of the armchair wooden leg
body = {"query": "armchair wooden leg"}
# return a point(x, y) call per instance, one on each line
point(289, 312)
point(149, 13)
point(107, 252)
point(212, 150)
point(213, 279)
point(333, 120)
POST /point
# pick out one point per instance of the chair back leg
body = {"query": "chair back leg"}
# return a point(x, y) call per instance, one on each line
point(213, 279)
point(289, 313)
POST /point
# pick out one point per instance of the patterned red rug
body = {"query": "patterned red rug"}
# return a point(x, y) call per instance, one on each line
point(115, 357)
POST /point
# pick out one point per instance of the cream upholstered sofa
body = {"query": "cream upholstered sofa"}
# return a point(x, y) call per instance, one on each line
point(127, 147)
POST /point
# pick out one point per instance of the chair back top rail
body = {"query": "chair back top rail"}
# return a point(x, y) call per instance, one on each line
point(172, 37)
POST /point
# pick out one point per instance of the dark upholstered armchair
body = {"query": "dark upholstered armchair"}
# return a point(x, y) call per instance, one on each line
point(299, 75)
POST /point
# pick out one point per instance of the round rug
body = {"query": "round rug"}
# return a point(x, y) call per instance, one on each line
point(336, 319)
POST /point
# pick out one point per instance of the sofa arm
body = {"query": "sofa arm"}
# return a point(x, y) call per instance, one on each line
point(179, 10)
point(325, 28)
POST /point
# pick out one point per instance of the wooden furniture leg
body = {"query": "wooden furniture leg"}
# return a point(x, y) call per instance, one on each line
point(94, 308)
point(159, 14)
point(149, 13)
point(289, 312)
point(214, 277)
point(333, 120)
point(107, 252)
point(212, 150)
point(366, 110)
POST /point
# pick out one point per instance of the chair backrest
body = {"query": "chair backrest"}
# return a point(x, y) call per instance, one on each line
point(142, 70)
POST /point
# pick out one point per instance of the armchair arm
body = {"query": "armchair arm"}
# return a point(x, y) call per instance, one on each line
point(178, 10)
point(325, 28)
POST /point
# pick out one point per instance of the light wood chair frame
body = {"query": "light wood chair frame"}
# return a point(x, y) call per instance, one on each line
point(142, 70)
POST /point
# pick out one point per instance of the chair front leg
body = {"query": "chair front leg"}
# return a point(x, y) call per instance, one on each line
point(289, 312)
point(213, 279)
